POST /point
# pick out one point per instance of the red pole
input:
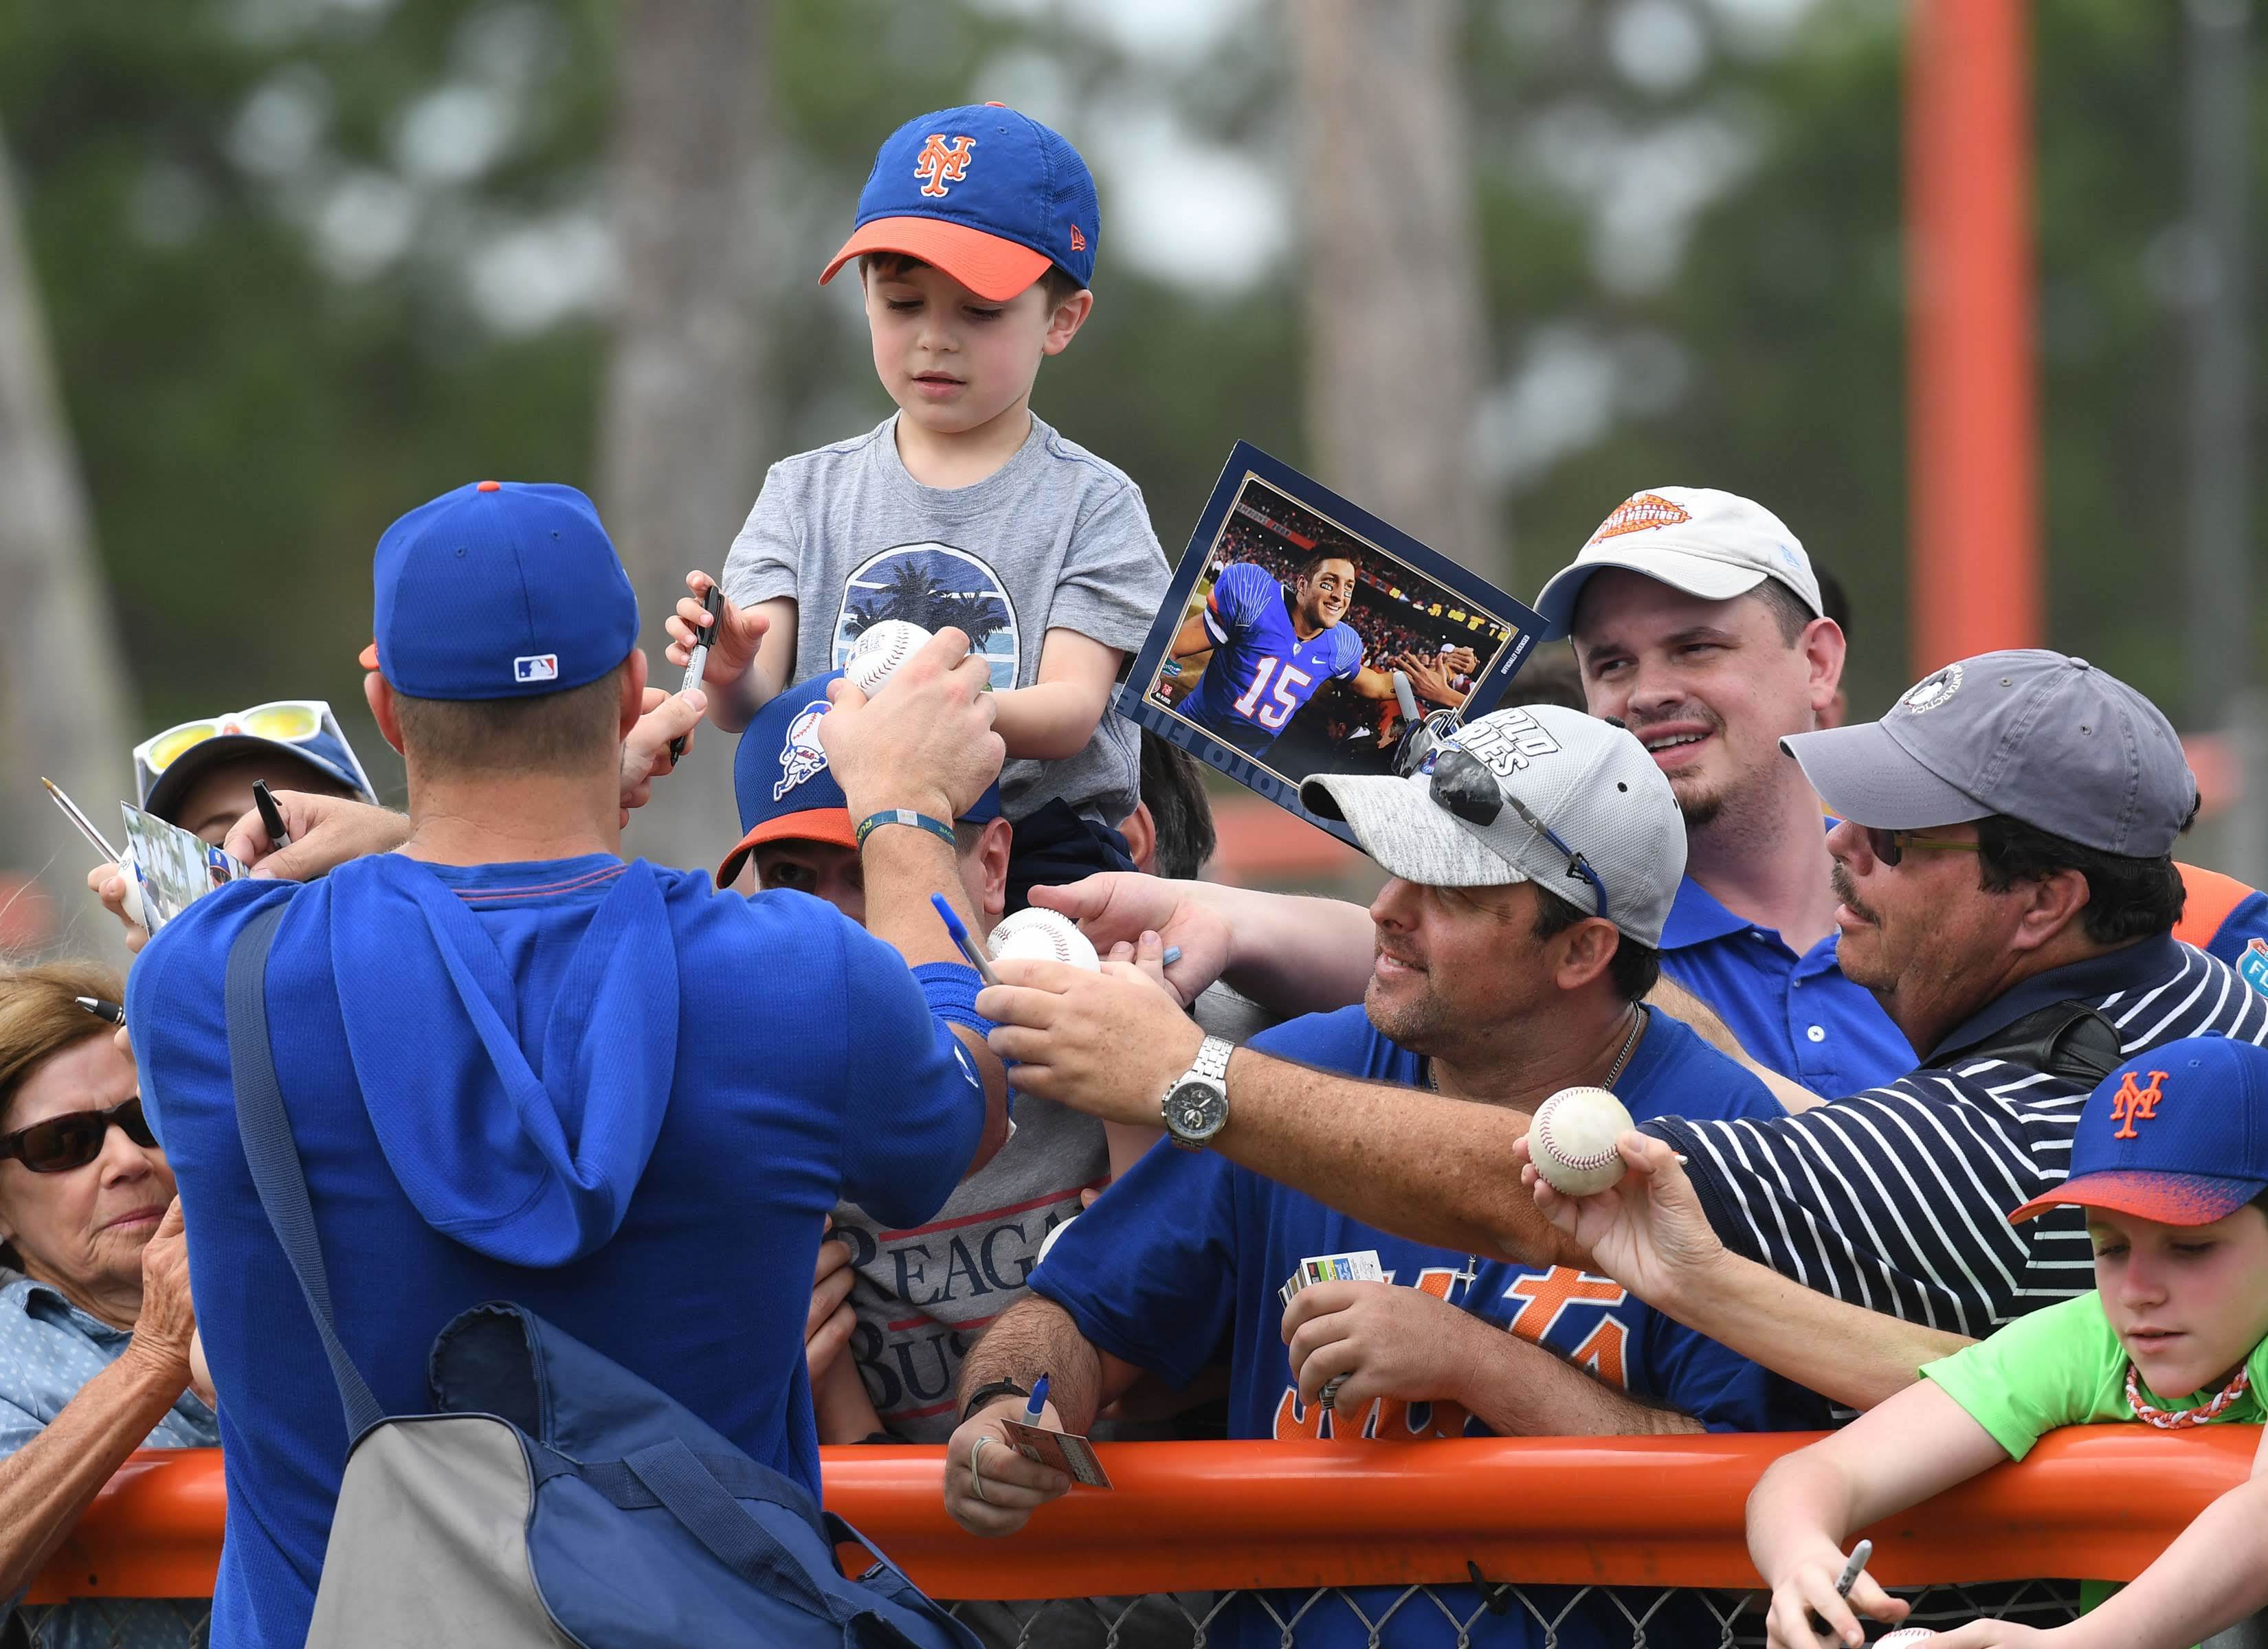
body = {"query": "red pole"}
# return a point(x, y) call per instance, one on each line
point(1973, 442)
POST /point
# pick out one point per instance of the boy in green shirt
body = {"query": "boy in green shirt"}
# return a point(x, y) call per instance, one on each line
point(2171, 1164)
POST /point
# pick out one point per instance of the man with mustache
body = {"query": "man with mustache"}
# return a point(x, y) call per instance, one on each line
point(1265, 647)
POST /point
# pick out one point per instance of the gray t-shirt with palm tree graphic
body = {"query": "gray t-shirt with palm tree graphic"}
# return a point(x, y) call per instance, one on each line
point(1055, 539)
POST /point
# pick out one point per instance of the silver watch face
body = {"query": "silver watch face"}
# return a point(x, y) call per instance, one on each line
point(1196, 1109)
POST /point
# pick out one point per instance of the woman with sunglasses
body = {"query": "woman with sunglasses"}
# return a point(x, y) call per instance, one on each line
point(96, 1326)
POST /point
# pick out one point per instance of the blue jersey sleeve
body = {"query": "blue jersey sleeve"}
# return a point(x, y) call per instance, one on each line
point(2248, 921)
point(1240, 595)
point(1148, 1272)
point(913, 1105)
point(1347, 664)
point(1694, 1375)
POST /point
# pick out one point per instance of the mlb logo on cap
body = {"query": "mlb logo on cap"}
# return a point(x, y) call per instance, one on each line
point(499, 590)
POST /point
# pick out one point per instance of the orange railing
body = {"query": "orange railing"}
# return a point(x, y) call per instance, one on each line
point(2095, 1502)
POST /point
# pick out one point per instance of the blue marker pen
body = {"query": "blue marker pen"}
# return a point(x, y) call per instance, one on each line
point(1036, 1402)
point(969, 947)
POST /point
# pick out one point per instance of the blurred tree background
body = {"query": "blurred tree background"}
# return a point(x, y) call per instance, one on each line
point(307, 262)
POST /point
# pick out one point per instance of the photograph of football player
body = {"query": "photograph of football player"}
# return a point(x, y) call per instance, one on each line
point(1259, 647)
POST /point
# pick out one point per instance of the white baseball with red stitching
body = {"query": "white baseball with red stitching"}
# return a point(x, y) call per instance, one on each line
point(1905, 1637)
point(1572, 1140)
point(881, 650)
point(1047, 936)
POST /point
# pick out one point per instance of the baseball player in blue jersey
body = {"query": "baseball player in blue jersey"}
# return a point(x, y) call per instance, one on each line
point(1272, 645)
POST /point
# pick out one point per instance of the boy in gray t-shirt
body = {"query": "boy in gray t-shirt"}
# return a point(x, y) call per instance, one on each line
point(975, 239)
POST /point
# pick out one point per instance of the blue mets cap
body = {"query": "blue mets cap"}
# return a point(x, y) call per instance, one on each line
point(781, 779)
point(2178, 1134)
point(988, 195)
point(499, 590)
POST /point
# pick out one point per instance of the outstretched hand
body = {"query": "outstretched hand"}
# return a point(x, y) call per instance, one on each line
point(1648, 1230)
point(1119, 907)
point(646, 756)
point(326, 832)
point(1807, 1592)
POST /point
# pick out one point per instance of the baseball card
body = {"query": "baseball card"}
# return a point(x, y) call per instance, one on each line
point(1301, 634)
point(1359, 1267)
point(1068, 1453)
point(173, 867)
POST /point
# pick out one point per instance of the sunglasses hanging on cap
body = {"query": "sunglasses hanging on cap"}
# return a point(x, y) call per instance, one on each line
point(73, 1141)
point(1467, 787)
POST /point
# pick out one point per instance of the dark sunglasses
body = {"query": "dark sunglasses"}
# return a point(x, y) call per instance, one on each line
point(64, 1143)
point(1890, 846)
point(1467, 786)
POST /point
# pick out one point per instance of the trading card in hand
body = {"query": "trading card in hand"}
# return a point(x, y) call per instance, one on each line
point(1067, 1452)
point(1303, 636)
point(173, 867)
point(1359, 1267)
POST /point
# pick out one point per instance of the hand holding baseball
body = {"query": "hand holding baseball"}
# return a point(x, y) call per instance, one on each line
point(1379, 1340)
point(1120, 906)
point(1100, 1043)
point(1648, 1231)
point(928, 744)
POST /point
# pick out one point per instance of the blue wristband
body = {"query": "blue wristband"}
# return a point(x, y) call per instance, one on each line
point(950, 989)
point(873, 823)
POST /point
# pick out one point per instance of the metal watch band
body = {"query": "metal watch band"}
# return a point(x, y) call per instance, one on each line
point(1212, 1058)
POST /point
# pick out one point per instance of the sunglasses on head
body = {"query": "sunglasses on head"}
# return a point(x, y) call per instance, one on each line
point(73, 1141)
point(1890, 846)
point(284, 720)
point(1467, 786)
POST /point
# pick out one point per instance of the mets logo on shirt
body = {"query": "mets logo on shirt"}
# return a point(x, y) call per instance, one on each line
point(802, 757)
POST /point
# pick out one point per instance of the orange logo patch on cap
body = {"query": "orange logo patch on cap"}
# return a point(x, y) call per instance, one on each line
point(2131, 1105)
point(1077, 240)
point(941, 164)
point(1639, 511)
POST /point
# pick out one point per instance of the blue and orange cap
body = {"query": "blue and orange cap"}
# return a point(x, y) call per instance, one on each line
point(991, 196)
point(499, 590)
point(780, 778)
point(2178, 1134)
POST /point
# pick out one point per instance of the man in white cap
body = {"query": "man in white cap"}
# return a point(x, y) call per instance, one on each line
point(1697, 622)
point(1534, 862)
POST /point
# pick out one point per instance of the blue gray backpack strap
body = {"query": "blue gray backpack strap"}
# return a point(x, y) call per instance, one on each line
point(274, 1159)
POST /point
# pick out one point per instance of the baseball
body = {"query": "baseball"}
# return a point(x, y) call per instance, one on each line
point(1905, 1637)
point(1572, 1140)
point(1046, 936)
point(881, 650)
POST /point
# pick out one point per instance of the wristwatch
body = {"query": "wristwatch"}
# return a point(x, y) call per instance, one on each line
point(1196, 1103)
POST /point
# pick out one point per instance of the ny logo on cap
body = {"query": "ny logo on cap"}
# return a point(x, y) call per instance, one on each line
point(2130, 1104)
point(941, 164)
point(536, 666)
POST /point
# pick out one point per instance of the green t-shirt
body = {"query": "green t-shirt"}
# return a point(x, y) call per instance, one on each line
point(2062, 1366)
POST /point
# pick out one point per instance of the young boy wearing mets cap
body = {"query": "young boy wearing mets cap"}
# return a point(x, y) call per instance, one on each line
point(976, 241)
point(2170, 1164)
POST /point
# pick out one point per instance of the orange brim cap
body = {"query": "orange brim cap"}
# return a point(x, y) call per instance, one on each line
point(2172, 1199)
point(830, 825)
point(368, 658)
point(988, 266)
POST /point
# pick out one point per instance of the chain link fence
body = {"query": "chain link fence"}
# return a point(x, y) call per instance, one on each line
point(1500, 1615)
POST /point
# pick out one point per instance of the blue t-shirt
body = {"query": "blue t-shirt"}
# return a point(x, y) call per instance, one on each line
point(1261, 673)
point(648, 1095)
point(1795, 1014)
point(1178, 1267)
